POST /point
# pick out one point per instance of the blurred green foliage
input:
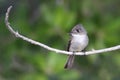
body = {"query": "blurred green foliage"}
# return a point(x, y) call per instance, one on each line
point(50, 22)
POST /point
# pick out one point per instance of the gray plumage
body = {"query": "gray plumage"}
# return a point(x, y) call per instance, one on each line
point(78, 41)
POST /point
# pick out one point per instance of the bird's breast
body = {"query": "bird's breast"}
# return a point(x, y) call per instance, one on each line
point(78, 42)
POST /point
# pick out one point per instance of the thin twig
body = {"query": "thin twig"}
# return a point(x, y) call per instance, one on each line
point(53, 49)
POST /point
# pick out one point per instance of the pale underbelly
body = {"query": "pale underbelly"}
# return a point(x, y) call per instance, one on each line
point(77, 47)
point(78, 44)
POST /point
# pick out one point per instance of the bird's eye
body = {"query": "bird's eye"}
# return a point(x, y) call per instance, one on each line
point(77, 30)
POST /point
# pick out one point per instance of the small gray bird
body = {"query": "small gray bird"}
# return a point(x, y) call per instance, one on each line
point(78, 42)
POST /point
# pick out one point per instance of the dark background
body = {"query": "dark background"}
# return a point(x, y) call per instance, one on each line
point(49, 22)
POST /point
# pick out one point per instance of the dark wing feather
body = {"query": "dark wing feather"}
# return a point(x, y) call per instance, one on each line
point(70, 59)
point(68, 45)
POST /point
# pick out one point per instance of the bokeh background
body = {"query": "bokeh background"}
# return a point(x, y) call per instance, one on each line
point(49, 22)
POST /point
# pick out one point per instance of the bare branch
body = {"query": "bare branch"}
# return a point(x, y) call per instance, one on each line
point(53, 49)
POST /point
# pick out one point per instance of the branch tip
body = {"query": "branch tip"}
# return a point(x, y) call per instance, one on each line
point(10, 8)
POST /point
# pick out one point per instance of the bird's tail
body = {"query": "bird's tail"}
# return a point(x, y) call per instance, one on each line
point(69, 62)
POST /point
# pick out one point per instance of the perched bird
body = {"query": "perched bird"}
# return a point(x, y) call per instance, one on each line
point(78, 42)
